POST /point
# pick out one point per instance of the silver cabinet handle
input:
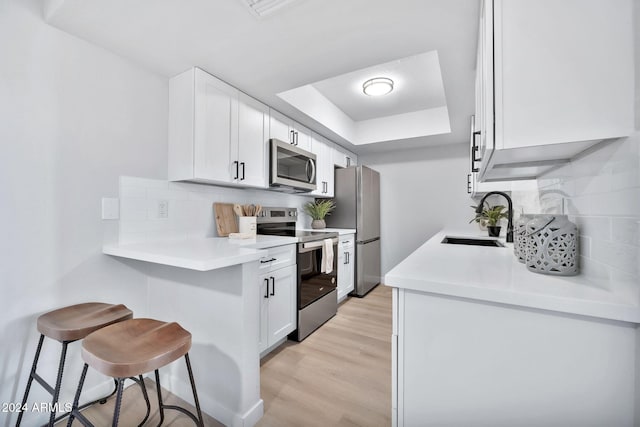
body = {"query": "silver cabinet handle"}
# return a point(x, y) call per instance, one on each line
point(292, 139)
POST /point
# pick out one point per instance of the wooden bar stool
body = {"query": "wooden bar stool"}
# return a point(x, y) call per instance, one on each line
point(132, 348)
point(66, 325)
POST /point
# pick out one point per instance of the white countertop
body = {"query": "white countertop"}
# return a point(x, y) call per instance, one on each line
point(340, 231)
point(202, 254)
point(495, 275)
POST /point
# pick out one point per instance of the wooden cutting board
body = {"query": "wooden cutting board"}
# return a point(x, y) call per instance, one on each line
point(226, 221)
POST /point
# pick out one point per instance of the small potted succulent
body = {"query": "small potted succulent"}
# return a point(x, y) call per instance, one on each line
point(491, 216)
point(318, 210)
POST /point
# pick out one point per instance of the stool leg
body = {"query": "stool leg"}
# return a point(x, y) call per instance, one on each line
point(193, 388)
point(76, 398)
point(33, 371)
point(56, 392)
point(146, 399)
point(116, 411)
point(160, 403)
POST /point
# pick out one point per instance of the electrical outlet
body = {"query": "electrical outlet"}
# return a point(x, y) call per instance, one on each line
point(163, 209)
point(110, 208)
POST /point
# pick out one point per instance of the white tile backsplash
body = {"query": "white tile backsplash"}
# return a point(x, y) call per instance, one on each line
point(600, 191)
point(190, 208)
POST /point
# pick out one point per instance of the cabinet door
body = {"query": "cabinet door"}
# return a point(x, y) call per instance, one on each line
point(344, 158)
point(282, 303)
point(280, 127)
point(351, 262)
point(263, 341)
point(346, 261)
point(340, 157)
point(302, 137)
point(343, 279)
point(573, 81)
point(215, 112)
point(484, 116)
point(329, 171)
point(252, 142)
point(323, 150)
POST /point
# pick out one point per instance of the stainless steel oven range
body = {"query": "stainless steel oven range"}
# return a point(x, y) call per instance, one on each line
point(316, 290)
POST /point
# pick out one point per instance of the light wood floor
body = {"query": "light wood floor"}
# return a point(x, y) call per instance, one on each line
point(133, 409)
point(339, 376)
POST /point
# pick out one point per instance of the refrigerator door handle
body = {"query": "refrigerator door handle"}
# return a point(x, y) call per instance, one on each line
point(363, 242)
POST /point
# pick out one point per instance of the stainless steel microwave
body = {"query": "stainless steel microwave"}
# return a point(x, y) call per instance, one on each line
point(292, 168)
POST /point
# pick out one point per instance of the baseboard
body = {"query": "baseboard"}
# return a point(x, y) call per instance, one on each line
point(253, 415)
point(210, 406)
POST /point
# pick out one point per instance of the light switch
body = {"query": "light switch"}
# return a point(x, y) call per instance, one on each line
point(110, 208)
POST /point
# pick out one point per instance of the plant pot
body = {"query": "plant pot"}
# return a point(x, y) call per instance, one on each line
point(318, 224)
point(494, 231)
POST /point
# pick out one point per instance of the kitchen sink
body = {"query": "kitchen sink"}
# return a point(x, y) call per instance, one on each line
point(472, 241)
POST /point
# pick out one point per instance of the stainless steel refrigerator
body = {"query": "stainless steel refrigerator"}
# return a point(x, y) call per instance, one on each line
point(357, 197)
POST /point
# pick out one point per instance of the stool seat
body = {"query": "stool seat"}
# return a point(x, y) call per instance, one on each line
point(77, 321)
point(136, 346)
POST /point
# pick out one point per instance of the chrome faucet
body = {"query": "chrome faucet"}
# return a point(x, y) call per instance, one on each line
point(510, 212)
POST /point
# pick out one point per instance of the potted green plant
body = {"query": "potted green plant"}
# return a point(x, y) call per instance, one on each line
point(491, 215)
point(318, 210)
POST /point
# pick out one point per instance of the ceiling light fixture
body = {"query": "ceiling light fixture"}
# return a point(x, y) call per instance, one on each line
point(377, 86)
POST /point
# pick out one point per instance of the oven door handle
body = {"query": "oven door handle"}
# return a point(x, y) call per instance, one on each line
point(307, 247)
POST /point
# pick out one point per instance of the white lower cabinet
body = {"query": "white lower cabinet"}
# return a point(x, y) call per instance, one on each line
point(460, 362)
point(346, 261)
point(277, 304)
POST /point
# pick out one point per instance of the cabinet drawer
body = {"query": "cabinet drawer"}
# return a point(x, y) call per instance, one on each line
point(346, 241)
point(278, 257)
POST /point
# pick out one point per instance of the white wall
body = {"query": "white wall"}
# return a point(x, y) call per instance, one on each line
point(74, 118)
point(190, 213)
point(421, 192)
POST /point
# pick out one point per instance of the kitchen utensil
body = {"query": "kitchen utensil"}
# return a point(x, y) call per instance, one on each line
point(258, 210)
point(225, 219)
point(238, 210)
point(248, 210)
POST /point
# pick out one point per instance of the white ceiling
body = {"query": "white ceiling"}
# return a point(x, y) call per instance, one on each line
point(417, 86)
point(304, 42)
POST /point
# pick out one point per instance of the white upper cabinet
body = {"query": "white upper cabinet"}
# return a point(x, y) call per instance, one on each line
point(343, 158)
point(253, 152)
point(216, 133)
point(323, 149)
point(559, 76)
point(285, 129)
